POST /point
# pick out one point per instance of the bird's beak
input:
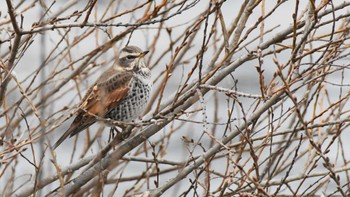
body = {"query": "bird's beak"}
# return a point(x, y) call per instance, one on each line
point(143, 54)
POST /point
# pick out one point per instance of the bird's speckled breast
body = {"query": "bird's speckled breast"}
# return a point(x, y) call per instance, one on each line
point(134, 102)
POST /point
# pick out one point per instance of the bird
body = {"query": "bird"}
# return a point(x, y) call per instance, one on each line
point(121, 93)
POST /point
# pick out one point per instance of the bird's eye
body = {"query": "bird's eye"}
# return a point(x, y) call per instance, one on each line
point(130, 57)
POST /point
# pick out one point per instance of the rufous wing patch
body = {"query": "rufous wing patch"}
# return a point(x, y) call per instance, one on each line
point(115, 96)
point(93, 104)
point(114, 90)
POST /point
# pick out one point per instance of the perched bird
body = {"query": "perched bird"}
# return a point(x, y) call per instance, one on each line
point(121, 93)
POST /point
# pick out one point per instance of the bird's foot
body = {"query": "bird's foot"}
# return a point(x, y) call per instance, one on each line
point(112, 133)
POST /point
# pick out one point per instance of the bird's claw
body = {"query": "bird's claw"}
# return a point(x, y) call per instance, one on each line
point(112, 133)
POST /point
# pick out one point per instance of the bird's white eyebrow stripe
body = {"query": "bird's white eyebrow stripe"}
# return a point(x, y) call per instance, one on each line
point(124, 54)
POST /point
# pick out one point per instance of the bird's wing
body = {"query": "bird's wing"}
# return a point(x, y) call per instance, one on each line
point(108, 93)
point(104, 95)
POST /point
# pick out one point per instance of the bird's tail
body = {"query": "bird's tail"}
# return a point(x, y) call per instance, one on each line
point(77, 126)
point(63, 137)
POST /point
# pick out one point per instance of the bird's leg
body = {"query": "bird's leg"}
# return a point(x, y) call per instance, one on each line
point(112, 133)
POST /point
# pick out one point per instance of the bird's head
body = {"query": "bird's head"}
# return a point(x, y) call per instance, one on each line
point(131, 57)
